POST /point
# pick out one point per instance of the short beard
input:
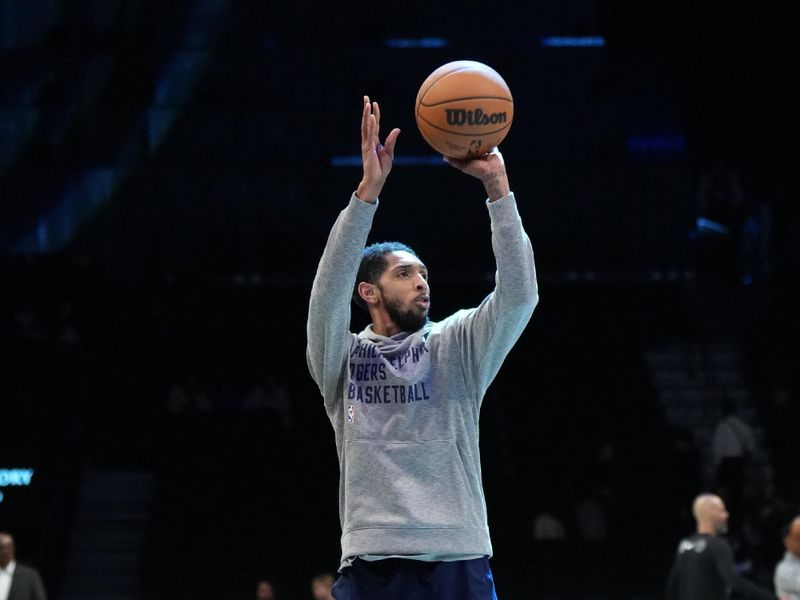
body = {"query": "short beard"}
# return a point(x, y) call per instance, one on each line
point(721, 528)
point(406, 321)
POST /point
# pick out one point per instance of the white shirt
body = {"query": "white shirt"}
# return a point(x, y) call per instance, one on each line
point(5, 579)
point(787, 578)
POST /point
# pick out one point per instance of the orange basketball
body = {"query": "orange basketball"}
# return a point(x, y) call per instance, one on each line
point(464, 109)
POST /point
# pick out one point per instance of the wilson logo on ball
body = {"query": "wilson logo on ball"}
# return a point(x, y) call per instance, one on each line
point(448, 114)
point(462, 116)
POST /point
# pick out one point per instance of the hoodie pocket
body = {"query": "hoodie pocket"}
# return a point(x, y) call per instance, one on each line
point(405, 484)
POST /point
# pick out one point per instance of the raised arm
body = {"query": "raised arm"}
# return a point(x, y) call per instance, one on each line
point(376, 157)
point(328, 323)
point(489, 332)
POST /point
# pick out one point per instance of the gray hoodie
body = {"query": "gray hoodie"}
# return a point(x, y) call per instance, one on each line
point(405, 408)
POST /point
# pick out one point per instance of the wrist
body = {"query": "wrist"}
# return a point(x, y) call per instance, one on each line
point(367, 193)
point(497, 186)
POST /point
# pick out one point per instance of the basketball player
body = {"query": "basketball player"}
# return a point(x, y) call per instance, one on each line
point(404, 395)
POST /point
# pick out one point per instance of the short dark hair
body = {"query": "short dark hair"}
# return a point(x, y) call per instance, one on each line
point(374, 263)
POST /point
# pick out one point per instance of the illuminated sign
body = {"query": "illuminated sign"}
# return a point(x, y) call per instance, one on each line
point(571, 41)
point(14, 478)
point(423, 42)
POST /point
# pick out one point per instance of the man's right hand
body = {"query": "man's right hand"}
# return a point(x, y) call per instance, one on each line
point(489, 168)
point(377, 157)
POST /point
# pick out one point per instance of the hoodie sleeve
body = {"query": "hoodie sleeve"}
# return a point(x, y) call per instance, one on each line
point(488, 332)
point(327, 330)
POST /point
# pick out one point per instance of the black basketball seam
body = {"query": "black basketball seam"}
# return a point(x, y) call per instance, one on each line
point(466, 98)
point(442, 77)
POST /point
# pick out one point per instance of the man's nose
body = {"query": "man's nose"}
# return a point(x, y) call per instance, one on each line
point(422, 284)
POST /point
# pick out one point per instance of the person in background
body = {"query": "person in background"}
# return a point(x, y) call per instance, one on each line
point(787, 573)
point(322, 586)
point(17, 581)
point(704, 567)
point(264, 590)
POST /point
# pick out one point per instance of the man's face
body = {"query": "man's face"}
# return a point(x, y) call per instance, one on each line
point(6, 550)
point(320, 590)
point(264, 591)
point(719, 516)
point(792, 540)
point(404, 290)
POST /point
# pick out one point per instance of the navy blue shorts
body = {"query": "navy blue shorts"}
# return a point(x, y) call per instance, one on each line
point(404, 579)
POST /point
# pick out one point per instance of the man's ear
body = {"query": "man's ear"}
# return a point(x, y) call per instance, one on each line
point(368, 292)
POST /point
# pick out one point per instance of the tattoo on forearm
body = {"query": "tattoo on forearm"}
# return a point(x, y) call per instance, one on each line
point(493, 176)
point(492, 182)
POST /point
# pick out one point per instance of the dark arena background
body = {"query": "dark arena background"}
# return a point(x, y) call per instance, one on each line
point(169, 172)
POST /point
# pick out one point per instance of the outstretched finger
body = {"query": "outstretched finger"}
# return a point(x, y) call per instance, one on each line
point(391, 139)
point(376, 110)
point(365, 119)
point(370, 140)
